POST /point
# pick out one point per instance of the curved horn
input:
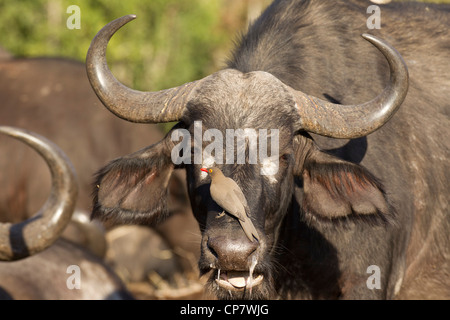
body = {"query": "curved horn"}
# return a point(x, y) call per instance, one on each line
point(354, 121)
point(31, 236)
point(132, 105)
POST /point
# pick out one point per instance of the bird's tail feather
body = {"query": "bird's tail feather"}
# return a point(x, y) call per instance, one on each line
point(249, 229)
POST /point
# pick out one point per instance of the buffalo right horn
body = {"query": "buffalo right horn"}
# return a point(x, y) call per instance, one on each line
point(132, 105)
point(20, 240)
point(354, 121)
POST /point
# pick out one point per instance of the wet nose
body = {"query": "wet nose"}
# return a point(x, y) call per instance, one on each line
point(232, 253)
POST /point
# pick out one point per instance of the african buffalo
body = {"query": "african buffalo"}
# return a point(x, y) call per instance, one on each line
point(52, 96)
point(46, 272)
point(372, 223)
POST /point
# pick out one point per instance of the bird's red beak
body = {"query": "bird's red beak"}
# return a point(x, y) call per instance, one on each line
point(204, 170)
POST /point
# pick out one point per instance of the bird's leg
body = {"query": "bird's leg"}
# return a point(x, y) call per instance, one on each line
point(220, 215)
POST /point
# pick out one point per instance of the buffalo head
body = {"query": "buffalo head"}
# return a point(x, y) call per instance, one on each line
point(134, 188)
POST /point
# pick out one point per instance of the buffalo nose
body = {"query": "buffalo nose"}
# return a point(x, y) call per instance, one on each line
point(232, 254)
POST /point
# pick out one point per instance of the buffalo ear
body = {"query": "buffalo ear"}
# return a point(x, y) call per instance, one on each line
point(133, 189)
point(334, 188)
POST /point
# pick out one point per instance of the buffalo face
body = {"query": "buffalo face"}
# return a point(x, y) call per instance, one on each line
point(238, 267)
point(134, 188)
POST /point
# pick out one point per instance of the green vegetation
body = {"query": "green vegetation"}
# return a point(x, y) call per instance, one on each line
point(171, 42)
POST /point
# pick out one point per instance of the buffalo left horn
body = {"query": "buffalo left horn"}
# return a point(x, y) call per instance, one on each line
point(354, 121)
point(132, 105)
point(20, 240)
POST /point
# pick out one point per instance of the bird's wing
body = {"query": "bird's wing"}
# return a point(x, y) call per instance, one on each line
point(234, 206)
point(238, 192)
point(230, 197)
point(229, 201)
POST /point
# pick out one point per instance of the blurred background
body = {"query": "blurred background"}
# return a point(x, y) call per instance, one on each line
point(171, 42)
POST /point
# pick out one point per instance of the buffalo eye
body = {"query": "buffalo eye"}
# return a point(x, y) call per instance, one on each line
point(285, 159)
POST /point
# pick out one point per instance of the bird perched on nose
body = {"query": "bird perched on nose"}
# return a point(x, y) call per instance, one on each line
point(227, 194)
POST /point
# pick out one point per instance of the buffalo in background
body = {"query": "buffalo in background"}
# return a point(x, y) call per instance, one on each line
point(52, 97)
point(42, 261)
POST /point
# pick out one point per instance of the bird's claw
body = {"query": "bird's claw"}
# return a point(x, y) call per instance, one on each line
point(220, 215)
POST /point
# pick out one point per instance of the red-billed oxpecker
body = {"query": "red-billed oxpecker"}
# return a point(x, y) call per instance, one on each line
point(227, 194)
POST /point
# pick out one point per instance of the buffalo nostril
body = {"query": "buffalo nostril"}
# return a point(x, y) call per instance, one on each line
point(232, 253)
point(212, 251)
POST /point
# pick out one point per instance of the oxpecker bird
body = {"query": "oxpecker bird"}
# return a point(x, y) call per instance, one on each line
point(227, 194)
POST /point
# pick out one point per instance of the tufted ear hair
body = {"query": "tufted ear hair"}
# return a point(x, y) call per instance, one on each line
point(134, 188)
point(335, 188)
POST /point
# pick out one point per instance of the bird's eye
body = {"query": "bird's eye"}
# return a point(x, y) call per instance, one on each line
point(210, 170)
